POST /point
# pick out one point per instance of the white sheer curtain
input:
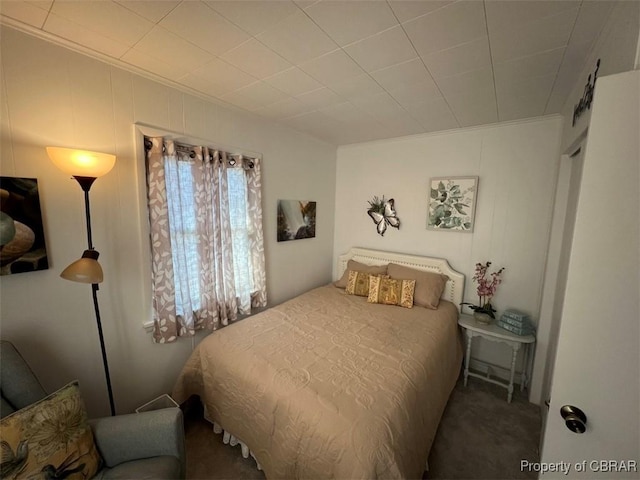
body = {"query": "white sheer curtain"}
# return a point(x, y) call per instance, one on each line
point(207, 247)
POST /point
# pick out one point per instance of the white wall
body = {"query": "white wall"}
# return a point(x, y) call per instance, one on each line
point(517, 164)
point(53, 96)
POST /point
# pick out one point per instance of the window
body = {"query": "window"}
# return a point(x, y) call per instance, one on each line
point(206, 237)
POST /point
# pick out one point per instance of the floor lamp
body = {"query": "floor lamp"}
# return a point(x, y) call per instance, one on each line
point(85, 167)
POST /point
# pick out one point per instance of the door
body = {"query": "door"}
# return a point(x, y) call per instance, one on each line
point(597, 366)
point(567, 194)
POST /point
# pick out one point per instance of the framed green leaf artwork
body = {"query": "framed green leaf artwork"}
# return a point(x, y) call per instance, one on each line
point(452, 203)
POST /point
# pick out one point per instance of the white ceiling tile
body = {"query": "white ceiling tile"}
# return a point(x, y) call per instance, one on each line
point(172, 49)
point(523, 99)
point(379, 105)
point(254, 16)
point(223, 77)
point(503, 14)
point(254, 58)
point(202, 26)
point(562, 87)
point(283, 109)
point(462, 58)
point(346, 112)
point(239, 100)
point(402, 75)
point(417, 92)
point(322, 97)
point(152, 10)
point(332, 68)
point(458, 23)
point(409, 9)
point(84, 36)
point(401, 125)
point(293, 81)
point(105, 18)
point(304, 4)
point(356, 87)
point(472, 110)
point(348, 21)
point(310, 119)
point(574, 59)
point(43, 4)
point(315, 123)
point(363, 131)
point(433, 114)
point(591, 19)
point(30, 13)
point(203, 85)
point(514, 71)
point(520, 89)
point(297, 39)
point(528, 38)
point(478, 82)
point(262, 93)
point(152, 64)
point(382, 50)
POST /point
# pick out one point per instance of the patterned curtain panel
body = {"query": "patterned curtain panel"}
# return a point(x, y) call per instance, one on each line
point(207, 246)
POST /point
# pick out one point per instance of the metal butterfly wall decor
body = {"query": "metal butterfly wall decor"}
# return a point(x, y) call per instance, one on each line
point(383, 213)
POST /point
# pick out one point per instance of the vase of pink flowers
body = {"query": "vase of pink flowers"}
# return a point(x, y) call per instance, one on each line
point(484, 312)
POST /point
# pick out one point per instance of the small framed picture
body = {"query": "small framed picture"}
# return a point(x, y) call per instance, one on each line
point(452, 203)
point(296, 220)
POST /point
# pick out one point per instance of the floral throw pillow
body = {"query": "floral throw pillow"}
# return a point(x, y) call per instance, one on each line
point(358, 283)
point(50, 439)
point(391, 291)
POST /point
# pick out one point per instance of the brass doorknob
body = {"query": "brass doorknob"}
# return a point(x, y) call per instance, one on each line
point(574, 418)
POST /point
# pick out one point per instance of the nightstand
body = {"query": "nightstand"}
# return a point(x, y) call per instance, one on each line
point(494, 333)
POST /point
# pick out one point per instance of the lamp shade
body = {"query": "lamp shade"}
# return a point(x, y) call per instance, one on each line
point(85, 270)
point(81, 163)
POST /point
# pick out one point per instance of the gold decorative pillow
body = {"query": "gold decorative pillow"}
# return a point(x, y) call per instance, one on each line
point(391, 291)
point(358, 283)
point(50, 439)
point(359, 267)
point(429, 285)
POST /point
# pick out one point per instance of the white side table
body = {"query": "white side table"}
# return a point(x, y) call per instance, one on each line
point(494, 333)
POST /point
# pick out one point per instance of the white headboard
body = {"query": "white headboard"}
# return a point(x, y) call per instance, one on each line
point(454, 289)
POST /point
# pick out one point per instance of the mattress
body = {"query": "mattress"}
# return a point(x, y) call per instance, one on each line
point(328, 385)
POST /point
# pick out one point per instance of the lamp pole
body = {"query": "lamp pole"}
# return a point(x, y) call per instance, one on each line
point(94, 288)
point(85, 184)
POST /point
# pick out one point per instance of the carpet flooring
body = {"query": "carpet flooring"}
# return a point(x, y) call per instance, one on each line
point(481, 436)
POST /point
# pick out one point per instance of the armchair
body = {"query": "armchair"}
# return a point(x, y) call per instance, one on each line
point(147, 445)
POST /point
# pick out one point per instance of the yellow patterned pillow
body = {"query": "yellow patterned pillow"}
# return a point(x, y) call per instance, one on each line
point(391, 291)
point(358, 283)
point(50, 439)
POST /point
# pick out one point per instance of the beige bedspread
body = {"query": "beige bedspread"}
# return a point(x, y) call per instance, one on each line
point(329, 386)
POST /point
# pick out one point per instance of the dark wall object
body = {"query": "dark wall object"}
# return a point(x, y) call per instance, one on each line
point(587, 96)
point(22, 242)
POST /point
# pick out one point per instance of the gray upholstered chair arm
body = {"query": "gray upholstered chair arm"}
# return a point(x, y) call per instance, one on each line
point(18, 383)
point(140, 435)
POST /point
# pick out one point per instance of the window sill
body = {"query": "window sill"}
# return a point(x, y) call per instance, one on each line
point(148, 325)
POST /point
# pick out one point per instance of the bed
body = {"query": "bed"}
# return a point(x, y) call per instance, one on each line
point(329, 385)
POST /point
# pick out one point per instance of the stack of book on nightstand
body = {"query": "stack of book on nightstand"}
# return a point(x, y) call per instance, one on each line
point(516, 322)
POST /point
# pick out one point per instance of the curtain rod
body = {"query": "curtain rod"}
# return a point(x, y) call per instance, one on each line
point(153, 131)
